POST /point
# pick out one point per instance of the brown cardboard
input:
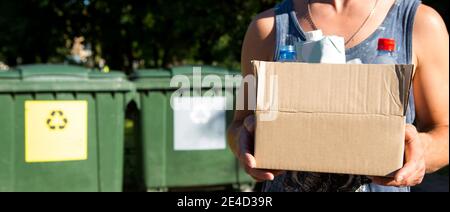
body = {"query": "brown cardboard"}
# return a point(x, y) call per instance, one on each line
point(347, 119)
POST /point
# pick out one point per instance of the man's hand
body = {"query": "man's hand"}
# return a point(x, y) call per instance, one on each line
point(246, 145)
point(413, 172)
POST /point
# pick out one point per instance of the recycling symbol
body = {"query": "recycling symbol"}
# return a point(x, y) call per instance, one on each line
point(200, 116)
point(57, 120)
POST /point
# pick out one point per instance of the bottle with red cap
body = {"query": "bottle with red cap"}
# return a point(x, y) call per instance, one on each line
point(386, 50)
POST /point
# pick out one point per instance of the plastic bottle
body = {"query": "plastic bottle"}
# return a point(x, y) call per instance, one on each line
point(386, 49)
point(287, 51)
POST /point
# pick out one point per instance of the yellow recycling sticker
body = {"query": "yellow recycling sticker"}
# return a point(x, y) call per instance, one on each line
point(56, 131)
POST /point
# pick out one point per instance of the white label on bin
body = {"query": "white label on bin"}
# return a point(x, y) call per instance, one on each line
point(55, 131)
point(199, 123)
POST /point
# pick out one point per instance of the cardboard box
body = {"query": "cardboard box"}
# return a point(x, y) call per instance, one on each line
point(346, 119)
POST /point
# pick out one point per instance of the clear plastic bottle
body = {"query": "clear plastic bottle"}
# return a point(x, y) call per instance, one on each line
point(287, 51)
point(386, 50)
point(288, 54)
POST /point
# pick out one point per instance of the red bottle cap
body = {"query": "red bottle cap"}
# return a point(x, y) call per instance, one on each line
point(386, 44)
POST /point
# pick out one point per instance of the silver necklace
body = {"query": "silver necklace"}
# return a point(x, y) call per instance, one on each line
point(314, 26)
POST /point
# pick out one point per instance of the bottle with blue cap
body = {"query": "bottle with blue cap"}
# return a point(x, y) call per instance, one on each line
point(287, 51)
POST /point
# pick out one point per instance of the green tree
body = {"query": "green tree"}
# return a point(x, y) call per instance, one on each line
point(155, 33)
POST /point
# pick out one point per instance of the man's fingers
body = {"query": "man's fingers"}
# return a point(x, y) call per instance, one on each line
point(250, 123)
point(415, 179)
point(249, 161)
point(412, 144)
point(411, 133)
point(414, 166)
point(411, 179)
point(261, 175)
point(414, 169)
point(406, 172)
point(277, 172)
point(246, 144)
point(385, 181)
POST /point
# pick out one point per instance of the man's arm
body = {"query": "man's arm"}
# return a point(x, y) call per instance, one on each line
point(426, 148)
point(258, 45)
point(431, 86)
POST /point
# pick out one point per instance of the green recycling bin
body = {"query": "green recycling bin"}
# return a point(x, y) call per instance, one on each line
point(185, 146)
point(62, 129)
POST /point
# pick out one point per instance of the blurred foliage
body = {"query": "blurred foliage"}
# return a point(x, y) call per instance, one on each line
point(153, 33)
point(159, 33)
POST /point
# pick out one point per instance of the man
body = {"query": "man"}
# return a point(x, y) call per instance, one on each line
point(423, 41)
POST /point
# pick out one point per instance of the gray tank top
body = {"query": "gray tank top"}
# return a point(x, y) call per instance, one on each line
point(398, 24)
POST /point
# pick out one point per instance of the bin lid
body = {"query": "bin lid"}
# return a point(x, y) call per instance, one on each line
point(234, 72)
point(160, 79)
point(151, 79)
point(188, 70)
point(150, 73)
point(48, 71)
point(62, 78)
point(112, 75)
point(9, 75)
